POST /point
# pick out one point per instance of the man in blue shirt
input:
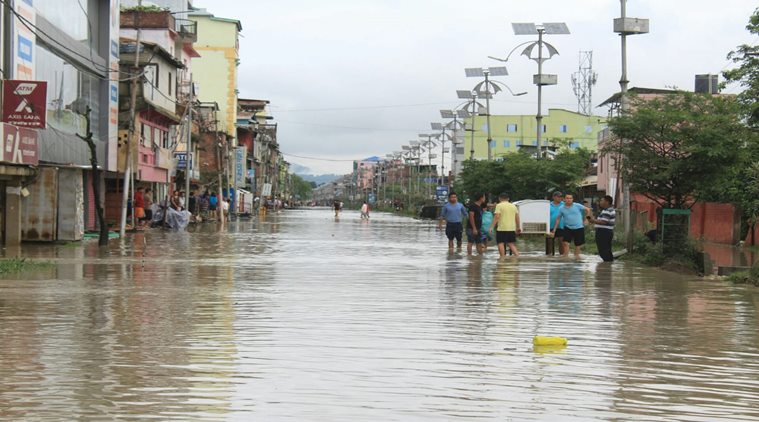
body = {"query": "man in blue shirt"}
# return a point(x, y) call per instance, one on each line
point(574, 224)
point(556, 205)
point(453, 213)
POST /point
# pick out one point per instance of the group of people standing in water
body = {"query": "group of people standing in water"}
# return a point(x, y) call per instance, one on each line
point(483, 223)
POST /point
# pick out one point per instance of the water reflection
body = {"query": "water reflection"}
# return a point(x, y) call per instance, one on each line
point(300, 316)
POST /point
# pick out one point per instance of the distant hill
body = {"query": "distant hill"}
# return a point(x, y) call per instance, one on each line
point(319, 179)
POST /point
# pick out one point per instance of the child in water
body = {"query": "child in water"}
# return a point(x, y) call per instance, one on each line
point(487, 221)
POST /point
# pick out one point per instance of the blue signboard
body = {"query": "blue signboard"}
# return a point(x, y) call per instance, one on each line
point(181, 158)
point(372, 198)
point(441, 193)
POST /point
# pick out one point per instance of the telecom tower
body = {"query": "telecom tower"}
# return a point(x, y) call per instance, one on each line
point(583, 81)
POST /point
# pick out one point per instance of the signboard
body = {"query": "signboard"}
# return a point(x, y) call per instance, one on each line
point(24, 103)
point(240, 159)
point(441, 193)
point(20, 145)
point(181, 158)
point(266, 191)
point(372, 198)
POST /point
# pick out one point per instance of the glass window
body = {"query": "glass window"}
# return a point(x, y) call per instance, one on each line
point(545, 128)
point(589, 129)
point(506, 143)
point(69, 92)
point(511, 127)
point(169, 72)
point(564, 128)
point(68, 16)
point(520, 143)
point(535, 143)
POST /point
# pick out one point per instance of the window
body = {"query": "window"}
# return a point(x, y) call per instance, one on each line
point(492, 144)
point(70, 20)
point(574, 144)
point(157, 78)
point(545, 129)
point(563, 128)
point(535, 143)
point(511, 127)
point(520, 143)
point(506, 143)
point(170, 84)
point(589, 129)
point(69, 91)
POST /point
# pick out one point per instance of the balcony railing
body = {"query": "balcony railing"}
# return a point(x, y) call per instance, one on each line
point(187, 29)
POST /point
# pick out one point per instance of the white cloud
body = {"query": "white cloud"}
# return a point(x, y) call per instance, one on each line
point(305, 54)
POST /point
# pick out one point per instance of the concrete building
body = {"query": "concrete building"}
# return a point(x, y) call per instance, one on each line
point(216, 69)
point(512, 132)
point(74, 50)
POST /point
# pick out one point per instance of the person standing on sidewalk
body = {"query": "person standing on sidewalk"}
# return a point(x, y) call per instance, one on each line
point(474, 236)
point(574, 224)
point(365, 211)
point(605, 228)
point(506, 219)
point(453, 213)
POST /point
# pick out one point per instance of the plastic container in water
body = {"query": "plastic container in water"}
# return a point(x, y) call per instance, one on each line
point(549, 341)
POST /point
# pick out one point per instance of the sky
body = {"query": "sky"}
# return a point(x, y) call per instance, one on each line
point(349, 79)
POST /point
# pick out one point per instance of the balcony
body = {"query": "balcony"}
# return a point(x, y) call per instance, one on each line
point(134, 18)
point(187, 29)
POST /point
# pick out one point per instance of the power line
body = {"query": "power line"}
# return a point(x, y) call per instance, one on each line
point(316, 159)
point(348, 127)
point(372, 107)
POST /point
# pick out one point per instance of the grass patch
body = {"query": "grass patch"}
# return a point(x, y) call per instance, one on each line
point(746, 277)
point(686, 258)
point(17, 265)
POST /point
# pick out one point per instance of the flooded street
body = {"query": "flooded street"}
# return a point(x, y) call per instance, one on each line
point(302, 317)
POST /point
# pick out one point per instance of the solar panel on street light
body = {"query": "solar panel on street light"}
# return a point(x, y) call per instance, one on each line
point(556, 28)
point(405, 147)
point(524, 28)
point(498, 71)
point(446, 114)
point(464, 95)
point(436, 126)
point(474, 72)
point(423, 135)
point(462, 113)
point(414, 143)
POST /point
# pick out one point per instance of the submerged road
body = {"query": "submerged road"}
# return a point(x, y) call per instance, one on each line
point(302, 317)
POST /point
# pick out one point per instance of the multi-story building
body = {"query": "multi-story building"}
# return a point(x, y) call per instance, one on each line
point(510, 133)
point(75, 51)
point(216, 68)
point(165, 54)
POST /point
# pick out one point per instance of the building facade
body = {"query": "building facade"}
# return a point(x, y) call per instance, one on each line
point(510, 133)
point(75, 51)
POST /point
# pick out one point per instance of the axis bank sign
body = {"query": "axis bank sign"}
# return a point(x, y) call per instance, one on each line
point(24, 103)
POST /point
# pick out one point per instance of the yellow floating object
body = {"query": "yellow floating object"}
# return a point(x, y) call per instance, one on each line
point(549, 341)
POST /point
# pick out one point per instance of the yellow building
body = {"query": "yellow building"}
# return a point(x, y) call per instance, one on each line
point(511, 132)
point(215, 72)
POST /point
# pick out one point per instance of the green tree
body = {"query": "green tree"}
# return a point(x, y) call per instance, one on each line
point(747, 73)
point(523, 176)
point(301, 188)
point(679, 148)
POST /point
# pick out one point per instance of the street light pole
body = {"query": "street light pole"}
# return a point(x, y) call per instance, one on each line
point(625, 26)
point(539, 116)
point(487, 115)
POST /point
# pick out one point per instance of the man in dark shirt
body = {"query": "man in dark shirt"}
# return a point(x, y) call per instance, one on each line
point(605, 228)
point(473, 234)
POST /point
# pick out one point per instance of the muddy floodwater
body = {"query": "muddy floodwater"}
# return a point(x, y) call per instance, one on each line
point(302, 317)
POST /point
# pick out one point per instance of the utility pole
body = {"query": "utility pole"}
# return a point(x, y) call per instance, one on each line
point(132, 113)
point(474, 114)
point(539, 116)
point(188, 160)
point(625, 26)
